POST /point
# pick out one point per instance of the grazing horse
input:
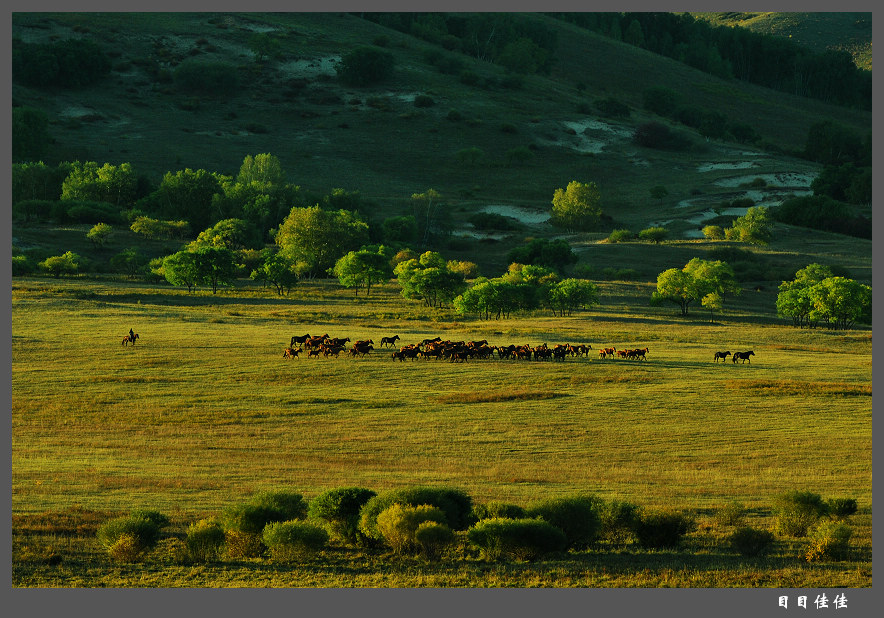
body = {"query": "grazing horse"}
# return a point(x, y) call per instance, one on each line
point(721, 355)
point(385, 341)
point(129, 339)
point(743, 356)
point(291, 353)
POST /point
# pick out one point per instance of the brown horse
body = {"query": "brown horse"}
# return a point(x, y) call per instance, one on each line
point(291, 353)
point(721, 355)
point(127, 339)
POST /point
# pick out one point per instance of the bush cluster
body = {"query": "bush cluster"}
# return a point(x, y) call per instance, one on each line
point(428, 521)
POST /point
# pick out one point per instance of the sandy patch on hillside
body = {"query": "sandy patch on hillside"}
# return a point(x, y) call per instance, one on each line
point(311, 67)
point(587, 135)
point(726, 165)
point(523, 215)
point(783, 179)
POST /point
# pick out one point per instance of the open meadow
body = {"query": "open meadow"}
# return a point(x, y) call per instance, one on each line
point(204, 411)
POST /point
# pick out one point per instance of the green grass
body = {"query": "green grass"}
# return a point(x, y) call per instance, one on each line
point(204, 411)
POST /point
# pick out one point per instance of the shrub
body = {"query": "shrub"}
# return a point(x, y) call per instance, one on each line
point(205, 540)
point(713, 232)
point(620, 274)
point(433, 537)
point(520, 539)
point(128, 538)
point(612, 108)
point(424, 100)
point(21, 266)
point(339, 509)
point(656, 135)
point(620, 236)
point(127, 548)
point(496, 509)
point(455, 503)
point(289, 540)
point(491, 221)
point(841, 507)
point(653, 234)
point(205, 77)
point(829, 541)
point(398, 524)
point(577, 517)
point(160, 520)
point(731, 514)
point(751, 542)
point(248, 518)
point(288, 504)
point(365, 65)
point(661, 529)
point(617, 520)
point(243, 544)
point(797, 511)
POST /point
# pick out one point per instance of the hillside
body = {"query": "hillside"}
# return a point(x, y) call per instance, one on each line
point(851, 32)
point(377, 141)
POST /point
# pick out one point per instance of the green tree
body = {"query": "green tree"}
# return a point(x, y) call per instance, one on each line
point(314, 238)
point(570, 294)
point(115, 184)
point(182, 268)
point(713, 302)
point(100, 234)
point(276, 271)
point(693, 282)
point(186, 194)
point(230, 234)
point(794, 300)
point(37, 181)
point(755, 227)
point(362, 269)
point(30, 134)
point(216, 266)
point(129, 261)
point(577, 206)
point(264, 169)
point(522, 56)
point(400, 229)
point(428, 278)
point(57, 265)
point(425, 205)
point(840, 302)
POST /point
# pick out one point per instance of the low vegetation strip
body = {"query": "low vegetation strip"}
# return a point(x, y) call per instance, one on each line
point(798, 387)
point(488, 397)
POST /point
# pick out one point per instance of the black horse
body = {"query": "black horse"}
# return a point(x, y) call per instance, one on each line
point(721, 355)
point(743, 356)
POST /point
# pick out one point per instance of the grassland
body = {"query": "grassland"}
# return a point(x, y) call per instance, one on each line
point(204, 411)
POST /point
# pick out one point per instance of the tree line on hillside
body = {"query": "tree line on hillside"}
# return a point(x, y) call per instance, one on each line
point(734, 52)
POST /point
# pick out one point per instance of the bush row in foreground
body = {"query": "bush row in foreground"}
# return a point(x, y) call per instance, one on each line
point(428, 521)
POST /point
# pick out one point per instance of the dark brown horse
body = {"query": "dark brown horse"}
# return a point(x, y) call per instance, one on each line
point(743, 356)
point(129, 339)
point(721, 355)
point(385, 341)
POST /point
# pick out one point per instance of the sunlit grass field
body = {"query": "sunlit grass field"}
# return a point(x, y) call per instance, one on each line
point(204, 411)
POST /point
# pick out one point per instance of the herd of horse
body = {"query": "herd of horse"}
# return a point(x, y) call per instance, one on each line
point(454, 351)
